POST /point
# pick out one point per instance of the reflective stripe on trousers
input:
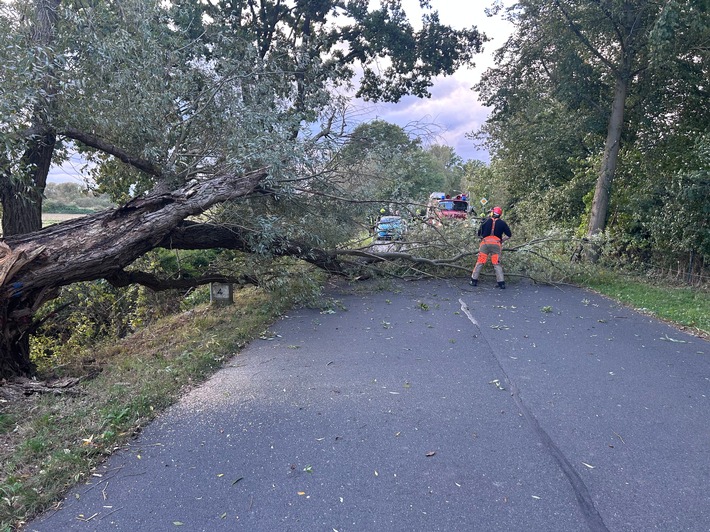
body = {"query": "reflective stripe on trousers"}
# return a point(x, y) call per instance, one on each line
point(484, 251)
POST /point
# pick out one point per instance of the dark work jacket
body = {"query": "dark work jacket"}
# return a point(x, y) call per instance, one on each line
point(501, 229)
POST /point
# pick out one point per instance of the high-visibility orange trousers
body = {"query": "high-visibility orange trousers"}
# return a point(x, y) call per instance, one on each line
point(492, 250)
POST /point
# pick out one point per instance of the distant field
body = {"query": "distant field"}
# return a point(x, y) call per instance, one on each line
point(49, 219)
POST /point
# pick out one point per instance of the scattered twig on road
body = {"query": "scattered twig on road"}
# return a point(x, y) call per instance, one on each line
point(111, 512)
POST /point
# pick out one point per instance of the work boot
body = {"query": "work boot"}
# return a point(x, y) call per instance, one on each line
point(473, 282)
point(501, 284)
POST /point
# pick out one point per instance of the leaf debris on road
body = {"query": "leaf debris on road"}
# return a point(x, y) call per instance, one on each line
point(497, 384)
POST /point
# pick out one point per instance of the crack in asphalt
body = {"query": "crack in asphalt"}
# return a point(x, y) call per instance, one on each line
point(584, 499)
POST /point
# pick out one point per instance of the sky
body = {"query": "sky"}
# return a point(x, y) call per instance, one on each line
point(453, 109)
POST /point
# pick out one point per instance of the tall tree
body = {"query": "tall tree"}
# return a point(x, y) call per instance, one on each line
point(548, 109)
point(450, 165)
point(183, 106)
point(24, 175)
point(585, 59)
point(615, 34)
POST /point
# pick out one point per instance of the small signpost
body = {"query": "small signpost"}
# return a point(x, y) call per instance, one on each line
point(484, 201)
point(221, 294)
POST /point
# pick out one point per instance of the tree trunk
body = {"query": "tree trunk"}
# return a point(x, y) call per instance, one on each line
point(602, 192)
point(15, 338)
point(191, 235)
point(22, 199)
point(34, 266)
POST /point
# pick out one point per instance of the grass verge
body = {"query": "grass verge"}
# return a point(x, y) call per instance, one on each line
point(687, 308)
point(49, 442)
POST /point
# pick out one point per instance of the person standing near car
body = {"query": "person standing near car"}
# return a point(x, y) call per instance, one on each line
point(493, 232)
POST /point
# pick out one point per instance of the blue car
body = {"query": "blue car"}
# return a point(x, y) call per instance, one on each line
point(390, 228)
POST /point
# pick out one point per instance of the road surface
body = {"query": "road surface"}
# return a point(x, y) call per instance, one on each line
point(428, 406)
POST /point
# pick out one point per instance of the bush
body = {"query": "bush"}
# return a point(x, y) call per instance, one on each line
point(88, 313)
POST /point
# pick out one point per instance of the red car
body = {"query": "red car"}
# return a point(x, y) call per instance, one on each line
point(443, 206)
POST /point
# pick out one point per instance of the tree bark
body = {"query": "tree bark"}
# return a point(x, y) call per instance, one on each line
point(22, 198)
point(191, 235)
point(602, 191)
point(34, 266)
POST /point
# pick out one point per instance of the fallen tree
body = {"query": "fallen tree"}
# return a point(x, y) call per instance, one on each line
point(174, 106)
point(35, 265)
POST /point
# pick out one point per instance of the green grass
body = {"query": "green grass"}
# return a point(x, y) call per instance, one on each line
point(686, 307)
point(7, 422)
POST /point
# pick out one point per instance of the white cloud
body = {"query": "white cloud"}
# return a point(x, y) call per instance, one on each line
point(453, 109)
point(69, 170)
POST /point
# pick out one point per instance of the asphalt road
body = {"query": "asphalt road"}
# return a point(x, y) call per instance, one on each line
point(428, 406)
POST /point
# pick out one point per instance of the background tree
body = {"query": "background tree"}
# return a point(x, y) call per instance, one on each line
point(73, 198)
point(586, 91)
point(381, 162)
point(486, 181)
point(450, 166)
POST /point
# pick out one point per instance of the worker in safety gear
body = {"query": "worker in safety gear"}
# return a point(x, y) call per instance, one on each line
point(493, 232)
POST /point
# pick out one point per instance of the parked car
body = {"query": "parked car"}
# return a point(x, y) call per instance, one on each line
point(390, 228)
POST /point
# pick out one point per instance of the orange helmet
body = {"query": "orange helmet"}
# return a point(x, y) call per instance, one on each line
point(497, 211)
